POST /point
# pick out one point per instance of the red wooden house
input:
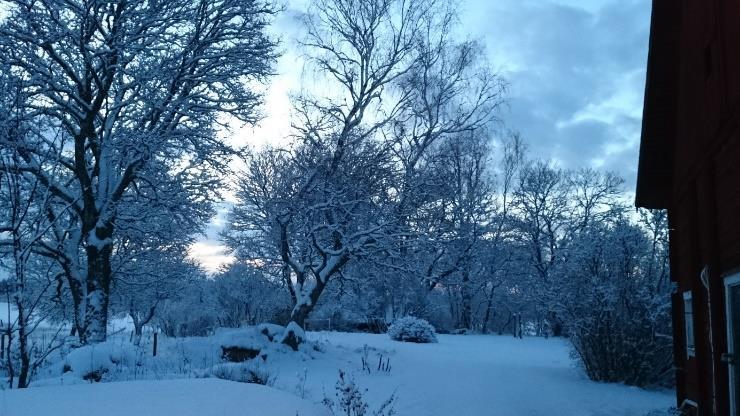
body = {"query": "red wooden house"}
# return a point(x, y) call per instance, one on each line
point(690, 164)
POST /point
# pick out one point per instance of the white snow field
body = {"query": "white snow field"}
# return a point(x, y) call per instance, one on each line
point(459, 375)
point(185, 397)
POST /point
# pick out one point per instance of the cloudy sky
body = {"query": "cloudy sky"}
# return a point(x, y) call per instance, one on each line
point(576, 74)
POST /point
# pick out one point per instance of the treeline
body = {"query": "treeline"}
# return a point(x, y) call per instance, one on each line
point(399, 191)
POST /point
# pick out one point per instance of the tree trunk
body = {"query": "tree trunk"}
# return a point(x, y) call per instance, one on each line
point(23, 347)
point(98, 291)
point(138, 330)
point(489, 306)
point(518, 330)
point(138, 327)
point(466, 313)
point(305, 305)
point(9, 356)
point(300, 313)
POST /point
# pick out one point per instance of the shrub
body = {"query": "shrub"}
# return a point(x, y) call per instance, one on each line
point(244, 373)
point(349, 400)
point(617, 312)
point(411, 329)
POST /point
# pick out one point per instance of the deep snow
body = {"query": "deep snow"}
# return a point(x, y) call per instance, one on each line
point(459, 375)
point(188, 397)
point(477, 375)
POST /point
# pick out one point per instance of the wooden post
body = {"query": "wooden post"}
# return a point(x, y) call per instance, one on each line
point(154, 352)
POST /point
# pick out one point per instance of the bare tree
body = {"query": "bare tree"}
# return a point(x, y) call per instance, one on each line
point(320, 224)
point(23, 225)
point(398, 86)
point(595, 195)
point(156, 275)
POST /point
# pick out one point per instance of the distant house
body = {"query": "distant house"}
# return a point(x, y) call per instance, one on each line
point(690, 164)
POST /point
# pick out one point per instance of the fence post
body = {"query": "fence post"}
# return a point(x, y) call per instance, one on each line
point(154, 352)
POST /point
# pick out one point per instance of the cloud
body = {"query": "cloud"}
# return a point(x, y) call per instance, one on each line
point(577, 74)
point(208, 250)
point(210, 254)
point(576, 70)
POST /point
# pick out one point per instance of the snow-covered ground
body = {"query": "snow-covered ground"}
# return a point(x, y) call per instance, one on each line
point(459, 375)
point(479, 375)
point(188, 397)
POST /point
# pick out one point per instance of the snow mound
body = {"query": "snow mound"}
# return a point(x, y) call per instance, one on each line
point(293, 336)
point(411, 329)
point(248, 338)
point(246, 343)
point(185, 397)
point(93, 362)
point(271, 331)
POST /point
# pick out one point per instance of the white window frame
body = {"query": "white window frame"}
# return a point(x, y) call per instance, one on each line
point(688, 318)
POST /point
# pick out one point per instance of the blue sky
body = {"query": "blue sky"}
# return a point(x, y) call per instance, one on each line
point(576, 74)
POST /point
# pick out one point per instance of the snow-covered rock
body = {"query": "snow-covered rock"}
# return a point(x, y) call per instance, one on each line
point(271, 331)
point(293, 336)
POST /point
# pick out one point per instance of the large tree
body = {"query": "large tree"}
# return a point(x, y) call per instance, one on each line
point(131, 94)
point(397, 85)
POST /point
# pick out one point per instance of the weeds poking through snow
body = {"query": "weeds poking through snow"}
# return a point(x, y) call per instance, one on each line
point(350, 401)
point(301, 385)
point(244, 373)
point(384, 362)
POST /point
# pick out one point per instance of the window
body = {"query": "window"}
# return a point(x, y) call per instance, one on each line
point(688, 316)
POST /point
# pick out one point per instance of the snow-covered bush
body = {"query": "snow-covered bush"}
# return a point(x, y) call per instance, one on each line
point(97, 361)
point(411, 329)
